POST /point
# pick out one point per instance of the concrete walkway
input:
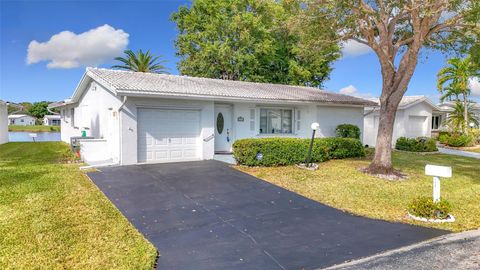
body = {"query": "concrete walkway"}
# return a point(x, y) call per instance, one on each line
point(453, 251)
point(458, 152)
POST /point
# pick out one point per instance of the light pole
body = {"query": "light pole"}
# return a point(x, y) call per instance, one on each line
point(314, 127)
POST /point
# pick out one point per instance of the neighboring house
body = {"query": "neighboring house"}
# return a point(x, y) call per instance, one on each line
point(52, 120)
point(21, 120)
point(3, 122)
point(414, 118)
point(441, 114)
point(145, 117)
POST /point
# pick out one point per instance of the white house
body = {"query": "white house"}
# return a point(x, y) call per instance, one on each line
point(414, 119)
point(21, 120)
point(51, 120)
point(145, 117)
point(442, 112)
point(3, 122)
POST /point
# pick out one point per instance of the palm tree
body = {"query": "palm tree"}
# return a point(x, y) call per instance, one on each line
point(456, 121)
point(141, 62)
point(453, 81)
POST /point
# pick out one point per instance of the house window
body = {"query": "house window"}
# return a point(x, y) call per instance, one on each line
point(21, 120)
point(436, 121)
point(276, 121)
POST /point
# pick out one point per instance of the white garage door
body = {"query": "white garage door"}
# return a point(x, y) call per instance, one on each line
point(168, 135)
point(417, 126)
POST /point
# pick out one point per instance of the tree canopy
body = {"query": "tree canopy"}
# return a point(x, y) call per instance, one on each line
point(39, 109)
point(252, 41)
point(396, 31)
point(140, 62)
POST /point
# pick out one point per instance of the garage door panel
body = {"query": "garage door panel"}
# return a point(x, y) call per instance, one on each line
point(161, 154)
point(168, 135)
point(190, 153)
point(417, 126)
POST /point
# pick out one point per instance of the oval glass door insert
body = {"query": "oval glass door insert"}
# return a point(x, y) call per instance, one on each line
point(220, 123)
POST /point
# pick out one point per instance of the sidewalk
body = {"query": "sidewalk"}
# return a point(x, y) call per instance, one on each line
point(458, 152)
point(453, 251)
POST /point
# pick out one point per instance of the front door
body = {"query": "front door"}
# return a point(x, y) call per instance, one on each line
point(223, 128)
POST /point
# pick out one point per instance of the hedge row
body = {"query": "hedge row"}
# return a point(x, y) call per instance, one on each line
point(416, 145)
point(288, 151)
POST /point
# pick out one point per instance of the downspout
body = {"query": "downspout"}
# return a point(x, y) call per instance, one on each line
point(120, 130)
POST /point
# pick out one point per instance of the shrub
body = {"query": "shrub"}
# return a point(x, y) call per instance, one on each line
point(459, 140)
point(420, 144)
point(443, 137)
point(348, 131)
point(476, 135)
point(426, 208)
point(288, 151)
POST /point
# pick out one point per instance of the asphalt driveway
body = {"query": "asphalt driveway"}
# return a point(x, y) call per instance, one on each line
point(206, 215)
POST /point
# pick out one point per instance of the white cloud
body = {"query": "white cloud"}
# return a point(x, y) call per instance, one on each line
point(354, 48)
point(474, 84)
point(353, 91)
point(348, 90)
point(69, 50)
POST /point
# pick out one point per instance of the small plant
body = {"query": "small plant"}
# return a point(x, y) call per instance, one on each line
point(425, 207)
point(347, 131)
point(443, 137)
point(420, 144)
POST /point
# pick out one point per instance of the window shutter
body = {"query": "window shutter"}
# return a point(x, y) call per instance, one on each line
point(252, 119)
point(299, 115)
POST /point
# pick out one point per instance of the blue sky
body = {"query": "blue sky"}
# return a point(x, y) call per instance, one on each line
point(135, 25)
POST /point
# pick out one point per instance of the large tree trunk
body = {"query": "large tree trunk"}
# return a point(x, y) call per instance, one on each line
point(382, 161)
point(394, 86)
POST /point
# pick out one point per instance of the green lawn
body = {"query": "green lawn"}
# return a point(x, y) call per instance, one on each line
point(53, 217)
point(476, 150)
point(36, 128)
point(340, 184)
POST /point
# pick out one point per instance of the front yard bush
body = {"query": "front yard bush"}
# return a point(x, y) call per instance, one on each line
point(443, 137)
point(476, 135)
point(425, 207)
point(459, 140)
point(289, 151)
point(456, 139)
point(348, 131)
point(416, 144)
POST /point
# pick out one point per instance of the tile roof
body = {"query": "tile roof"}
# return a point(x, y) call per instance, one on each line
point(15, 116)
point(52, 116)
point(405, 102)
point(127, 82)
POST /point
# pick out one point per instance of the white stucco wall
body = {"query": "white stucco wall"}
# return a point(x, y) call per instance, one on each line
point(3, 122)
point(95, 151)
point(96, 113)
point(27, 121)
point(403, 125)
point(329, 117)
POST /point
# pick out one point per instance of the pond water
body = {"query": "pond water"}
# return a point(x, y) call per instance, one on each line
point(41, 136)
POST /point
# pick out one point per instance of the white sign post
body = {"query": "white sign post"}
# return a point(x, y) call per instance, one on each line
point(33, 136)
point(437, 172)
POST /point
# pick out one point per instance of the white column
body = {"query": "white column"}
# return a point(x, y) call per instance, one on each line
point(436, 189)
